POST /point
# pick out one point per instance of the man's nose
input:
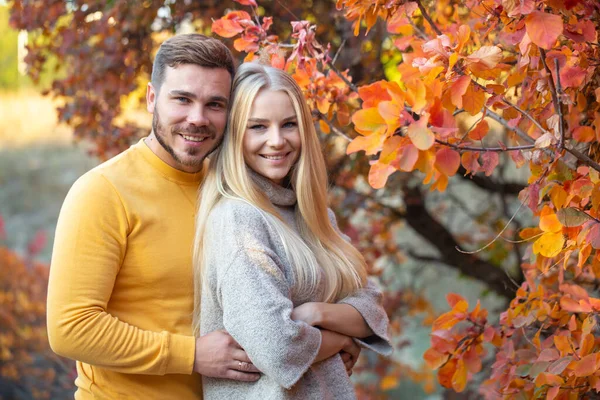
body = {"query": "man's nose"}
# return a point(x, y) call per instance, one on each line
point(198, 117)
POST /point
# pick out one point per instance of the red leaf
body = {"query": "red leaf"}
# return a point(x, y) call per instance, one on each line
point(544, 28)
point(490, 161)
point(447, 161)
point(453, 299)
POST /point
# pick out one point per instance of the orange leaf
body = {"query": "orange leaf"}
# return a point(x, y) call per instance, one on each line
point(574, 306)
point(416, 95)
point(372, 94)
point(587, 365)
point(458, 89)
point(550, 223)
point(453, 299)
point(544, 28)
point(480, 130)
point(228, 26)
point(473, 100)
point(370, 144)
point(379, 173)
point(446, 373)
point(447, 161)
point(470, 160)
point(584, 134)
point(544, 378)
point(434, 359)
point(420, 135)
point(249, 46)
point(459, 378)
point(324, 127)
point(368, 121)
point(490, 162)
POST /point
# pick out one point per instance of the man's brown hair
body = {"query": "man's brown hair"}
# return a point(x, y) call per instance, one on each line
point(190, 48)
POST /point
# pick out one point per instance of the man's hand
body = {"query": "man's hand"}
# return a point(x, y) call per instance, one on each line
point(219, 356)
point(350, 354)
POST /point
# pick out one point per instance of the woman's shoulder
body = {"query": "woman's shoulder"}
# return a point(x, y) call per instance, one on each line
point(232, 215)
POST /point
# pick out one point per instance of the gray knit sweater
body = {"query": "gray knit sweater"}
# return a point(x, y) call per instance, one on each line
point(248, 293)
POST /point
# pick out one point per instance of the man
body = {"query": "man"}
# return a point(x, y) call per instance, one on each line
point(120, 295)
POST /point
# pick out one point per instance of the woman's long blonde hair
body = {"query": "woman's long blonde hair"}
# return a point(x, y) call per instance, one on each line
point(318, 253)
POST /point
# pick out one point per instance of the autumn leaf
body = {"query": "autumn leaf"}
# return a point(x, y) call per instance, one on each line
point(369, 121)
point(420, 135)
point(544, 28)
point(549, 245)
point(490, 162)
point(447, 161)
point(473, 100)
point(379, 173)
point(480, 130)
point(458, 89)
point(228, 26)
point(488, 56)
point(587, 365)
point(572, 217)
point(459, 378)
point(407, 158)
point(584, 134)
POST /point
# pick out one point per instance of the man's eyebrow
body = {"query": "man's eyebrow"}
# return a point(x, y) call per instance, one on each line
point(184, 93)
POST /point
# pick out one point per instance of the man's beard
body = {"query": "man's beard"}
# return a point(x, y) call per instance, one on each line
point(159, 133)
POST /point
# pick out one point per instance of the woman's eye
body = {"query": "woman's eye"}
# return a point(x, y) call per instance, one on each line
point(256, 127)
point(290, 124)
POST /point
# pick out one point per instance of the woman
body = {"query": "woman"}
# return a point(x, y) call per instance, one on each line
point(270, 262)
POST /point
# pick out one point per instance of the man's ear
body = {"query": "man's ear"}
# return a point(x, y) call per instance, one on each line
point(150, 98)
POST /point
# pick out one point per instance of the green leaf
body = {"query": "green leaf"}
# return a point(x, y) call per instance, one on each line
point(572, 217)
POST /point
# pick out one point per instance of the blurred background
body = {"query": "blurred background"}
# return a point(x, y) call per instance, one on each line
point(407, 233)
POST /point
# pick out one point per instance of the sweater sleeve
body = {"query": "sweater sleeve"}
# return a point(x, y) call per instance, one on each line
point(89, 247)
point(368, 301)
point(254, 295)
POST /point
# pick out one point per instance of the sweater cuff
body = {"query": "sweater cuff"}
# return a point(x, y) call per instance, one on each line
point(181, 354)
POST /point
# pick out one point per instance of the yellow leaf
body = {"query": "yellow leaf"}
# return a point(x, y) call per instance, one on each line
point(549, 244)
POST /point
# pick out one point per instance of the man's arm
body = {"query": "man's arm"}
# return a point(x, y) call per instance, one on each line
point(90, 244)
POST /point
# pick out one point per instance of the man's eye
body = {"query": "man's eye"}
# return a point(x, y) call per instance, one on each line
point(216, 105)
point(182, 99)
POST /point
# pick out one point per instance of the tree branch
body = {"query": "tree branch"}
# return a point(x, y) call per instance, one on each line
point(554, 91)
point(428, 18)
point(486, 149)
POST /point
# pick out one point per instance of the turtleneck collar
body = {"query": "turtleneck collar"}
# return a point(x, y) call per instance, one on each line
point(279, 196)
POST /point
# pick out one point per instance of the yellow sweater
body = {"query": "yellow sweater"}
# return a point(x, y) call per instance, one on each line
point(120, 296)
